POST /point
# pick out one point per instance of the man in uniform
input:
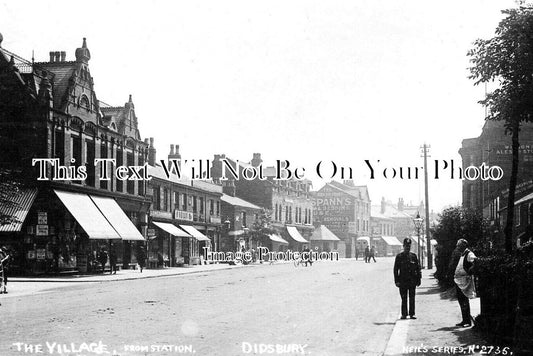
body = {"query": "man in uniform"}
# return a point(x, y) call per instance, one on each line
point(407, 276)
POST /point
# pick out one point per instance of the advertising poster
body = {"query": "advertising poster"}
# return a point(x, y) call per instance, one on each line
point(266, 177)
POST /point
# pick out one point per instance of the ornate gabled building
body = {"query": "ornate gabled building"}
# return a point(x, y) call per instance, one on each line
point(50, 110)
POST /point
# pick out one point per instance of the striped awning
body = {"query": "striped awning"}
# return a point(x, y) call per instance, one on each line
point(17, 206)
point(278, 239)
point(191, 230)
point(293, 232)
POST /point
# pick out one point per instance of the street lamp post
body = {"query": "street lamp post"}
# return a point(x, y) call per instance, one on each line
point(418, 221)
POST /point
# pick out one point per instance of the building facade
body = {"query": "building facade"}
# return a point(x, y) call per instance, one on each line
point(493, 148)
point(185, 216)
point(287, 200)
point(345, 210)
point(50, 110)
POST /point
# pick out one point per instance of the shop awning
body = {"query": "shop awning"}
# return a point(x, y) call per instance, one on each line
point(322, 233)
point(364, 238)
point(117, 218)
point(277, 238)
point(391, 240)
point(171, 229)
point(22, 202)
point(293, 232)
point(191, 230)
point(87, 215)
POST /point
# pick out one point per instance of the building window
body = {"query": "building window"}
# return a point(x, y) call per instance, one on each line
point(59, 149)
point(201, 205)
point(218, 208)
point(335, 245)
point(141, 183)
point(243, 216)
point(184, 202)
point(120, 162)
point(103, 154)
point(176, 201)
point(194, 204)
point(211, 207)
point(76, 152)
point(157, 198)
point(165, 199)
point(130, 184)
point(91, 179)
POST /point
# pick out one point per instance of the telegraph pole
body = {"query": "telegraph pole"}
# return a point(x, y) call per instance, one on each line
point(425, 151)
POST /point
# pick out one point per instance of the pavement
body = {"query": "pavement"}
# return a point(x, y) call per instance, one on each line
point(434, 331)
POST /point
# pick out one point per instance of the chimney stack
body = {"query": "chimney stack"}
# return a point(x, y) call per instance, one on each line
point(174, 154)
point(400, 204)
point(151, 153)
point(383, 205)
point(228, 187)
point(256, 160)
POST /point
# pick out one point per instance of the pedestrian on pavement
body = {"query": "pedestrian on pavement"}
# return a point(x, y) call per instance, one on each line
point(407, 276)
point(112, 259)
point(464, 282)
point(367, 255)
point(356, 253)
point(4, 267)
point(102, 258)
point(372, 254)
point(141, 257)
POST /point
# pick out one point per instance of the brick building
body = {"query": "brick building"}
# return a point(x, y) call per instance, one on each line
point(185, 216)
point(345, 210)
point(51, 110)
point(493, 147)
point(288, 200)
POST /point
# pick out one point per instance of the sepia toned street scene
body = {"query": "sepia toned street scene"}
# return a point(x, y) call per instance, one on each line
point(235, 178)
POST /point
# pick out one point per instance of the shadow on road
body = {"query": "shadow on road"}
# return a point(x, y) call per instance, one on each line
point(389, 323)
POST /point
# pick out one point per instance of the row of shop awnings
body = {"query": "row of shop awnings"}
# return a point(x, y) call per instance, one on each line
point(182, 231)
point(101, 218)
point(389, 240)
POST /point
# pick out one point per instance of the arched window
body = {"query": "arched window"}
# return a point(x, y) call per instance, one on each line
point(84, 102)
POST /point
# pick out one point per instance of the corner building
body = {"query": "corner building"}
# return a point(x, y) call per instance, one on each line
point(51, 110)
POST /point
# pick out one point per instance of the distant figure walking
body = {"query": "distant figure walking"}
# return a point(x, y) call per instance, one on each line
point(407, 276)
point(141, 257)
point(112, 259)
point(102, 258)
point(372, 254)
point(367, 254)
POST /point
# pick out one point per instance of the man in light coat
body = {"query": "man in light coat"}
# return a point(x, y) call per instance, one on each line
point(464, 282)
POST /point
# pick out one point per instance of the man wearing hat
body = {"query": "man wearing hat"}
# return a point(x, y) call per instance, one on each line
point(407, 276)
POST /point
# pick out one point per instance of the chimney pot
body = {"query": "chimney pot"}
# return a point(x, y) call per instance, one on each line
point(171, 149)
point(57, 56)
point(52, 56)
point(63, 56)
point(151, 142)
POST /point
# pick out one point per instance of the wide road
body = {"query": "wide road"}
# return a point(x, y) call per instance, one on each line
point(332, 308)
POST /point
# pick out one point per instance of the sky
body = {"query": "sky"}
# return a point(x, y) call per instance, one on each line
point(303, 81)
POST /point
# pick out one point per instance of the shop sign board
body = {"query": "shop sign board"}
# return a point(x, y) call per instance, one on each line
point(41, 230)
point(40, 253)
point(42, 218)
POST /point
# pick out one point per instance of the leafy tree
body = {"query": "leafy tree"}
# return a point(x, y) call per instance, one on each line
point(455, 223)
point(508, 59)
point(262, 227)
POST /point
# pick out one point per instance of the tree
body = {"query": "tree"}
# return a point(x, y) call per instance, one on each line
point(455, 223)
point(508, 59)
point(262, 227)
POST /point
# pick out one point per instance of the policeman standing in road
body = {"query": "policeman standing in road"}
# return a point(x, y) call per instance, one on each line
point(407, 276)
